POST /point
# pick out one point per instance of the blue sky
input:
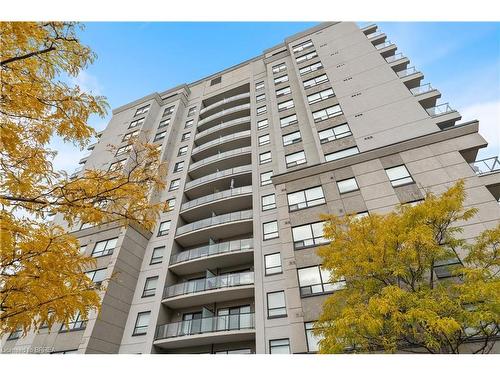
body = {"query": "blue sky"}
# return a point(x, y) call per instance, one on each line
point(462, 60)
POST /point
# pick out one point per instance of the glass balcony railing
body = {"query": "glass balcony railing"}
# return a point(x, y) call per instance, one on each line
point(222, 155)
point(374, 34)
point(218, 141)
point(224, 101)
point(486, 165)
point(211, 324)
point(395, 57)
point(217, 196)
point(210, 283)
point(223, 113)
point(218, 175)
point(422, 89)
point(214, 249)
point(215, 220)
point(405, 73)
point(223, 125)
point(387, 43)
point(439, 110)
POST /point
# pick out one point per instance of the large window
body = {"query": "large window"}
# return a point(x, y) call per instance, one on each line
point(308, 235)
point(136, 123)
point(117, 165)
point(262, 124)
point(188, 123)
point(127, 136)
point(315, 81)
point(334, 133)
point(281, 346)
point(342, 153)
point(272, 263)
point(164, 122)
point(150, 286)
point(281, 79)
point(106, 247)
point(159, 136)
point(284, 91)
point(283, 106)
point(157, 256)
point(347, 185)
point(315, 280)
point(270, 230)
point(306, 198)
point(168, 110)
point(265, 178)
point(291, 138)
point(123, 150)
point(326, 113)
point(75, 323)
point(264, 140)
point(182, 151)
point(186, 136)
point(447, 268)
point(164, 228)
point(191, 111)
point(261, 110)
point(295, 159)
point(260, 98)
point(174, 185)
point(14, 335)
point(279, 68)
point(170, 204)
point(289, 120)
point(179, 166)
point(276, 306)
point(312, 339)
point(268, 202)
point(310, 68)
point(259, 86)
point(399, 175)
point(306, 57)
point(302, 46)
point(97, 276)
point(141, 323)
point(320, 96)
point(142, 110)
point(265, 157)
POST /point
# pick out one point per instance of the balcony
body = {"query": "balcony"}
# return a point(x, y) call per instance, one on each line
point(426, 95)
point(410, 77)
point(209, 290)
point(224, 160)
point(223, 144)
point(386, 48)
point(225, 104)
point(376, 36)
point(235, 199)
point(222, 254)
point(486, 166)
point(397, 61)
point(223, 129)
point(223, 226)
point(206, 331)
point(369, 29)
point(444, 115)
point(231, 114)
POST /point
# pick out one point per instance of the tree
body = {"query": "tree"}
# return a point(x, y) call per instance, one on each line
point(392, 300)
point(42, 273)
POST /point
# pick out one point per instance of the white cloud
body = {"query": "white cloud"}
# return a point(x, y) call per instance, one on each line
point(88, 83)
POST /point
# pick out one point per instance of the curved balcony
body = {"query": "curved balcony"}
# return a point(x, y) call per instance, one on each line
point(223, 226)
point(224, 160)
point(225, 103)
point(218, 180)
point(222, 254)
point(209, 290)
point(232, 113)
point(223, 144)
point(205, 331)
point(223, 129)
point(240, 197)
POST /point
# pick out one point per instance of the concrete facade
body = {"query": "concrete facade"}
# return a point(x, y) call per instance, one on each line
point(213, 288)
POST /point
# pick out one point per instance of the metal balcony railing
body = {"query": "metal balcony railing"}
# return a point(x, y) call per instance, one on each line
point(215, 142)
point(217, 196)
point(210, 283)
point(210, 250)
point(217, 175)
point(224, 101)
point(387, 43)
point(215, 220)
point(405, 73)
point(223, 113)
point(211, 324)
point(221, 126)
point(439, 110)
point(222, 155)
point(486, 165)
point(422, 89)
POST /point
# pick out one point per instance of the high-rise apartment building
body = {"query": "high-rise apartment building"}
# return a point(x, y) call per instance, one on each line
point(333, 120)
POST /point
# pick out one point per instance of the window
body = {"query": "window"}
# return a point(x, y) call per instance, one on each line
point(302, 46)
point(260, 98)
point(348, 185)
point(308, 235)
point(170, 204)
point(342, 153)
point(334, 133)
point(316, 280)
point(276, 306)
point(284, 91)
point(264, 140)
point(270, 230)
point(164, 123)
point(182, 151)
point(163, 228)
point(191, 111)
point(399, 175)
point(446, 268)
point(268, 202)
point(279, 346)
point(312, 339)
point(123, 150)
point(285, 105)
point(75, 323)
point(215, 81)
point(279, 68)
point(141, 323)
point(168, 110)
point(259, 86)
point(179, 166)
point(265, 178)
point(261, 110)
point(265, 157)
point(361, 215)
point(142, 110)
point(186, 136)
point(188, 123)
point(291, 138)
point(308, 56)
point(306, 198)
point(106, 247)
point(150, 286)
point(97, 276)
point(117, 166)
point(327, 113)
point(262, 124)
point(86, 226)
point(288, 120)
point(127, 136)
point(136, 123)
point(310, 68)
point(83, 249)
point(295, 159)
point(272, 263)
point(14, 335)
point(174, 185)
point(235, 351)
point(281, 79)
point(160, 136)
point(315, 81)
point(157, 256)
point(320, 96)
